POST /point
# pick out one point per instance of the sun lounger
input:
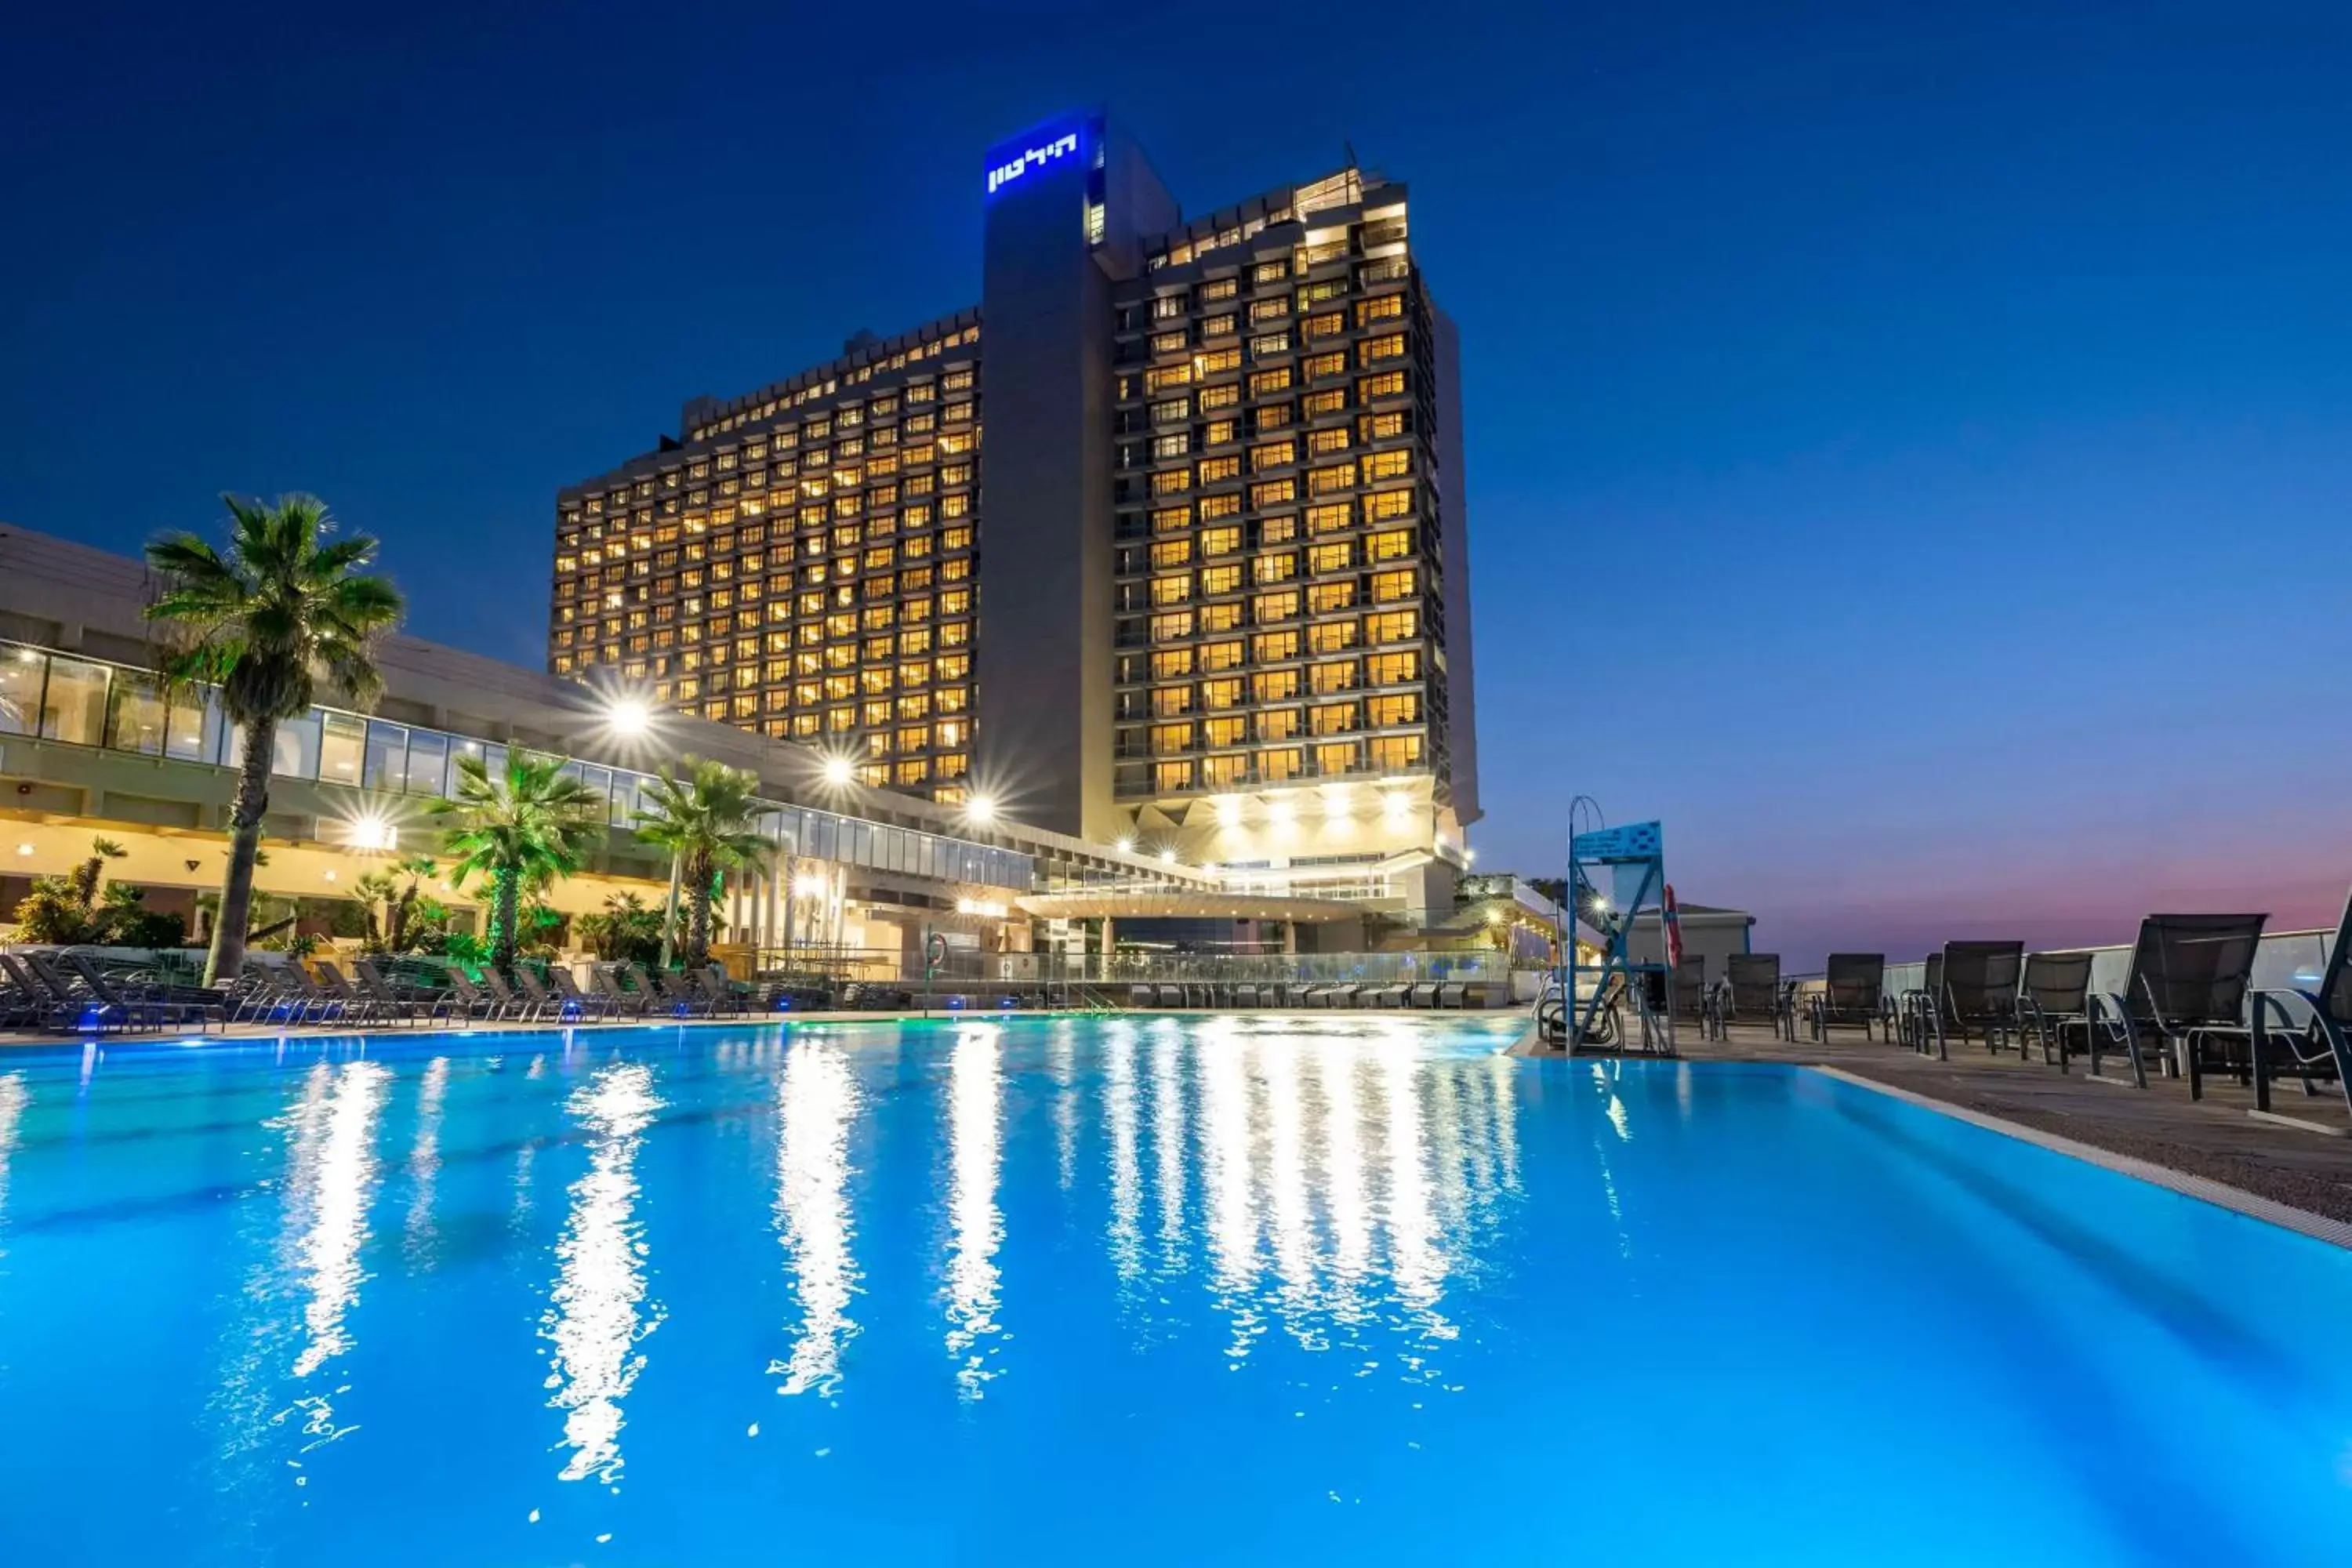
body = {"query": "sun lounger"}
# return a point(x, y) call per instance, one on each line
point(154, 1004)
point(719, 992)
point(1752, 994)
point(2185, 992)
point(576, 1002)
point(1853, 994)
point(1974, 987)
point(2306, 1035)
point(2054, 1001)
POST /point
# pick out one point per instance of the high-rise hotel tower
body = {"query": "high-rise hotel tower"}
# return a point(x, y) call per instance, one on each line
point(1203, 588)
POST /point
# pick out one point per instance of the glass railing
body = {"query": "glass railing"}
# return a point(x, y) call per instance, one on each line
point(118, 708)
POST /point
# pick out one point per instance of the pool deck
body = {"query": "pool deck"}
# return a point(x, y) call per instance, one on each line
point(2216, 1137)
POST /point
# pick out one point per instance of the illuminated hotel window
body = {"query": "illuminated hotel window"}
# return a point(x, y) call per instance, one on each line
point(1385, 504)
point(1381, 427)
point(1330, 637)
point(1273, 454)
point(1283, 763)
point(1219, 771)
point(1222, 618)
point(1172, 776)
point(1273, 647)
point(1345, 757)
point(1381, 466)
point(1391, 669)
point(1391, 585)
point(1281, 607)
point(1219, 362)
point(1323, 443)
point(1391, 754)
point(1214, 470)
point(1331, 557)
point(1275, 685)
point(1268, 569)
point(1371, 351)
point(1221, 655)
point(1172, 481)
point(1327, 678)
point(1318, 404)
point(1218, 540)
point(1278, 530)
point(1324, 481)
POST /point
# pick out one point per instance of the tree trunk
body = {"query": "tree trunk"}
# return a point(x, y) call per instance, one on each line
point(397, 917)
point(699, 873)
point(226, 961)
point(502, 920)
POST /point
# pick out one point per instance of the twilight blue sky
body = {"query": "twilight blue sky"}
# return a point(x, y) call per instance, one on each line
point(1910, 446)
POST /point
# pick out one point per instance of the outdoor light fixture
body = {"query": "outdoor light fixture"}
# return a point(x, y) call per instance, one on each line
point(24, 849)
point(1167, 857)
point(331, 875)
point(1125, 847)
point(1281, 813)
point(1229, 811)
point(838, 771)
point(1468, 854)
point(981, 808)
point(371, 833)
point(629, 716)
point(1395, 806)
point(809, 885)
point(988, 908)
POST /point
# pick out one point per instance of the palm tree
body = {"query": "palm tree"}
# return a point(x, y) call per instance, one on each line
point(521, 832)
point(706, 821)
point(384, 886)
point(283, 609)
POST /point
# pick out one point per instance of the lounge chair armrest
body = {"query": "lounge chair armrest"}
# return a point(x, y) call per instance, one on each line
point(2286, 1008)
point(2105, 1008)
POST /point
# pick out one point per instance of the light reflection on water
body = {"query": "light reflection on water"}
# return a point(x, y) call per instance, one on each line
point(13, 1097)
point(598, 1315)
point(975, 1132)
point(817, 1104)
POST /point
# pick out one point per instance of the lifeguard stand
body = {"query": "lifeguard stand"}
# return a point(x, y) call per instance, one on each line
point(1613, 875)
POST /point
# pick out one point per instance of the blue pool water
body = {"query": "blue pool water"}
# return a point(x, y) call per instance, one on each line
point(1138, 1290)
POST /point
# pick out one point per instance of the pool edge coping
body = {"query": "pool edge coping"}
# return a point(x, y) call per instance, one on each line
point(2220, 1195)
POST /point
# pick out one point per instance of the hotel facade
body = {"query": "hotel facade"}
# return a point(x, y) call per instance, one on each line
point(1161, 546)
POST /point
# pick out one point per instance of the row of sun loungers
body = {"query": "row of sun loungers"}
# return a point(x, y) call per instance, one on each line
point(72, 992)
point(1223, 994)
point(2187, 1006)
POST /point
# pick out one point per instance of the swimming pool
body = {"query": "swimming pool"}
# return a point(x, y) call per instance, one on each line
point(1169, 1291)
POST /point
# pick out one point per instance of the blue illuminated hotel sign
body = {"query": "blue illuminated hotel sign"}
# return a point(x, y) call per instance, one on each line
point(1004, 170)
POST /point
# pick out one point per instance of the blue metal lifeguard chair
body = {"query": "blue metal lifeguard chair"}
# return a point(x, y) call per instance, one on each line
point(1613, 875)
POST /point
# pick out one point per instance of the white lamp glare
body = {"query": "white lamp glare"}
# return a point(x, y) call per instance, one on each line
point(981, 808)
point(836, 771)
point(629, 716)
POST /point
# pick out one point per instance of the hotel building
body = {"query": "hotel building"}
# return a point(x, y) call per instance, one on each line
point(1201, 589)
